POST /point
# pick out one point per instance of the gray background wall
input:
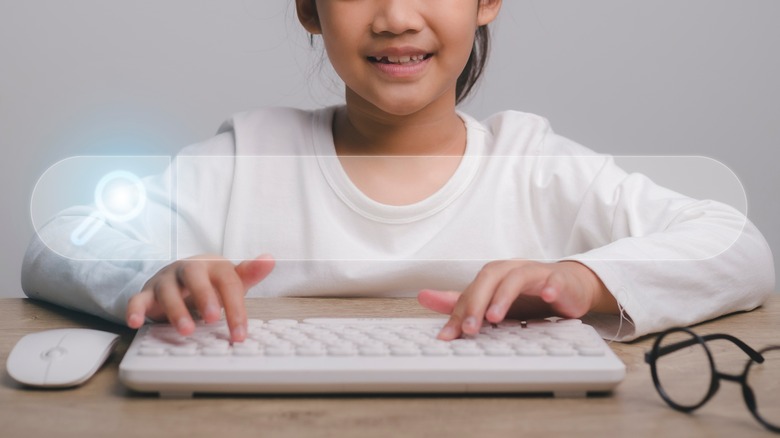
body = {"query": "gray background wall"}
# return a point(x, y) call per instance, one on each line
point(147, 77)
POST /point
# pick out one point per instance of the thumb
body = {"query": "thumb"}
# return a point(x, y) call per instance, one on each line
point(255, 270)
point(438, 301)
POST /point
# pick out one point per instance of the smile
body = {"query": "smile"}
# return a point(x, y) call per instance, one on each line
point(400, 60)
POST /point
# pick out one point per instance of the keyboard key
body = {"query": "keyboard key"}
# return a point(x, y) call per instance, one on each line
point(530, 351)
point(570, 322)
point(499, 351)
point(467, 352)
point(436, 351)
point(183, 351)
point(279, 351)
point(310, 351)
point(255, 323)
point(282, 322)
point(215, 351)
point(247, 350)
point(404, 351)
point(215, 343)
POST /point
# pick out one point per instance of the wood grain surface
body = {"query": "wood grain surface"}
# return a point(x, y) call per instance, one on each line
point(104, 407)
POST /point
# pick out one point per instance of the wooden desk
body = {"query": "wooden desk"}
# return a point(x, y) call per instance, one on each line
point(103, 407)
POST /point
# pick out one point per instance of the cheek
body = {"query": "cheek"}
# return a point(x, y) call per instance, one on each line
point(341, 56)
point(460, 50)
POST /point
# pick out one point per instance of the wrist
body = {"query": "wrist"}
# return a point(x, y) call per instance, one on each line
point(601, 299)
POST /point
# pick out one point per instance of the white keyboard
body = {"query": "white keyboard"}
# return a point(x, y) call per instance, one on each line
point(359, 355)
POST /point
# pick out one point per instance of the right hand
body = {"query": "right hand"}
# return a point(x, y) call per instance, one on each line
point(204, 282)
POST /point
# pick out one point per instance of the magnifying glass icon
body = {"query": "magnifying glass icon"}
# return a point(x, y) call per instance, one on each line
point(120, 196)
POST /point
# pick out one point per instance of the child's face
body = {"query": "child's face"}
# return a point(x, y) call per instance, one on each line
point(398, 56)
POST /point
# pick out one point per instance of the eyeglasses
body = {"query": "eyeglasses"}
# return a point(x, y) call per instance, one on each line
point(679, 361)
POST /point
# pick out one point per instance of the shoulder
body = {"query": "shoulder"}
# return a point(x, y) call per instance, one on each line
point(269, 118)
point(551, 160)
point(514, 121)
point(266, 131)
point(511, 132)
point(273, 130)
point(517, 132)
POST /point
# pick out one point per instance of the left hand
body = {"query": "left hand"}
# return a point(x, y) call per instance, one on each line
point(520, 289)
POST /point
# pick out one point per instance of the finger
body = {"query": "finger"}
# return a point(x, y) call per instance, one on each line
point(527, 280)
point(438, 301)
point(194, 277)
point(470, 309)
point(442, 302)
point(231, 291)
point(254, 271)
point(552, 288)
point(137, 308)
point(453, 328)
point(169, 295)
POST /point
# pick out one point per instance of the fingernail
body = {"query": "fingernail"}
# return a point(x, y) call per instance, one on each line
point(470, 323)
point(548, 294)
point(239, 332)
point(495, 310)
point(211, 311)
point(135, 320)
point(183, 323)
point(447, 333)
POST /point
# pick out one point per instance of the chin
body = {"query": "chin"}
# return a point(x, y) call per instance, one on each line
point(400, 101)
point(401, 107)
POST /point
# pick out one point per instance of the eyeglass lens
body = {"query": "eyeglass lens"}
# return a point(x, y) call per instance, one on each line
point(685, 375)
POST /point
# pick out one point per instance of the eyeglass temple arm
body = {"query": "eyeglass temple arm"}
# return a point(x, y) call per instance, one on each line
point(668, 349)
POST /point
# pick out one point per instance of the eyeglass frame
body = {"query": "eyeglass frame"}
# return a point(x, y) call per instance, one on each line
point(658, 351)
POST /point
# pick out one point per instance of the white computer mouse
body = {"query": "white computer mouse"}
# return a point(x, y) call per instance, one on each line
point(59, 358)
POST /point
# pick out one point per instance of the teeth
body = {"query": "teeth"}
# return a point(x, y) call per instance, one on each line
point(399, 59)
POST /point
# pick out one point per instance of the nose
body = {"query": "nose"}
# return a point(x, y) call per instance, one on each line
point(398, 16)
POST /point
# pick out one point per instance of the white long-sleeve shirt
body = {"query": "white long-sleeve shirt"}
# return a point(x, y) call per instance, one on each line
point(270, 182)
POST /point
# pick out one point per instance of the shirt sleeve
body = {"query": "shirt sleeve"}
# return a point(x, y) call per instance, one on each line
point(669, 260)
point(100, 276)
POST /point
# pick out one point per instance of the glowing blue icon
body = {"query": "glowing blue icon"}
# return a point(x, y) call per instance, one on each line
point(120, 196)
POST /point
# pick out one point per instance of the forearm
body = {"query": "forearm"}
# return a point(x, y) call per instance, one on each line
point(662, 292)
point(89, 278)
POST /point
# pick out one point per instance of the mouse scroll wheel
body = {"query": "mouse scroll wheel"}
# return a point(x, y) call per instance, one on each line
point(54, 353)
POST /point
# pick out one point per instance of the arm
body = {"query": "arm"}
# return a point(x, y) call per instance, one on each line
point(674, 261)
point(102, 275)
point(664, 258)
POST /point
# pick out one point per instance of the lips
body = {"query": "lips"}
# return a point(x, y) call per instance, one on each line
point(400, 62)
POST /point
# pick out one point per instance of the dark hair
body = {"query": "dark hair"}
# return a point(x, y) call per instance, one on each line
point(475, 66)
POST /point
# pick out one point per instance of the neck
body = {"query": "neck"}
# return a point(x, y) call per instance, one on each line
point(363, 129)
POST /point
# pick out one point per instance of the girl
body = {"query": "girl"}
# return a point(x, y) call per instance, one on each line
point(325, 195)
